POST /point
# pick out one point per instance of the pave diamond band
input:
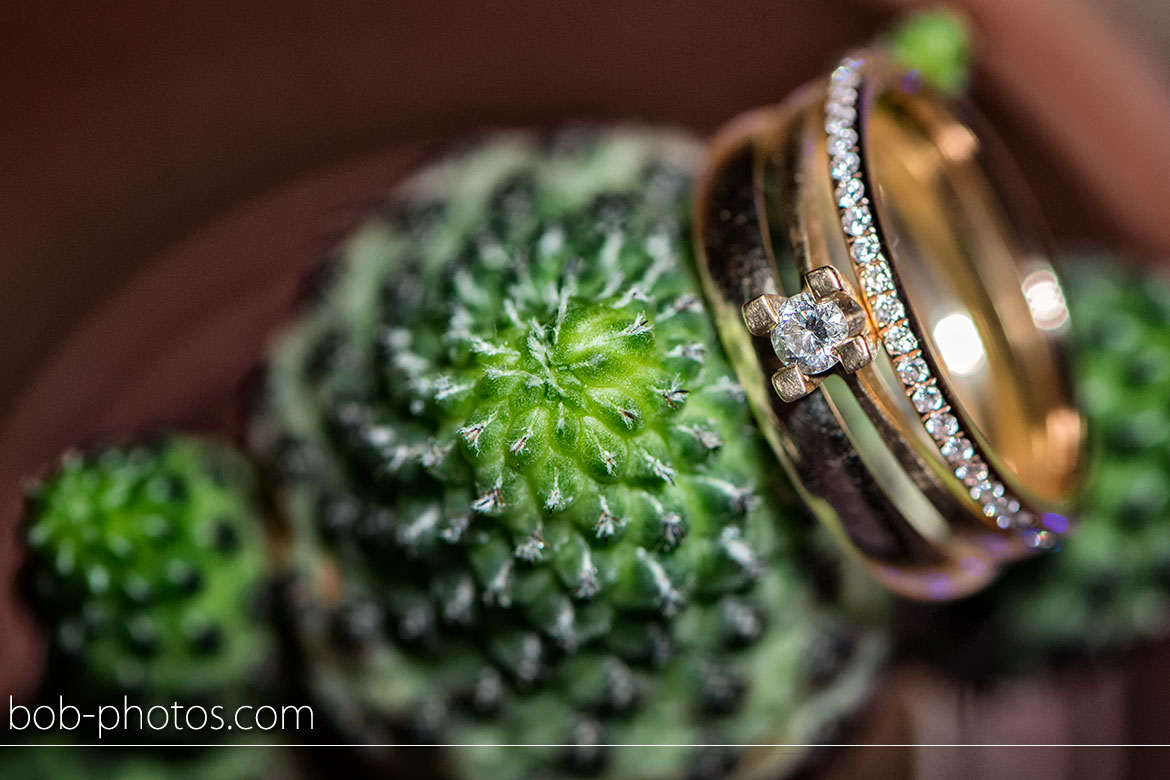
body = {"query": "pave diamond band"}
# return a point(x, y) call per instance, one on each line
point(898, 332)
point(934, 484)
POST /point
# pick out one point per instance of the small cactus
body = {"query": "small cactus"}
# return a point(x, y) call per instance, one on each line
point(146, 564)
point(936, 42)
point(526, 500)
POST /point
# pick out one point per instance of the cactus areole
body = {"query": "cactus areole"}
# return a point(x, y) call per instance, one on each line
point(526, 499)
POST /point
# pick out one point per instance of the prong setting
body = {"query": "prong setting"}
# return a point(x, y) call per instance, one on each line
point(854, 353)
point(824, 281)
point(761, 313)
point(792, 384)
point(821, 327)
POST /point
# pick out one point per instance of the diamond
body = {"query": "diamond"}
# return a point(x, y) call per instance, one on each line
point(850, 192)
point(957, 449)
point(876, 278)
point(839, 115)
point(842, 141)
point(888, 309)
point(845, 75)
point(927, 398)
point(913, 370)
point(844, 166)
point(843, 94)
point(972, 472)
point(856, 63)
point(987, 492)
point(1002, 508)
point(1024, 519)
point(866, 248)
point(1041, 540)
point(941, 425)
point(846, 115)
point(856, 219)
point(899, 340)
point(808, 331)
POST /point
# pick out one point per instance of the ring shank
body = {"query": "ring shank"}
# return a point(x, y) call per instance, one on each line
point(818, 441)
point(867, 449)
point(966, 269)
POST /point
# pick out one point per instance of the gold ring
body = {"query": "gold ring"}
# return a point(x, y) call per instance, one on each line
point(915, 385)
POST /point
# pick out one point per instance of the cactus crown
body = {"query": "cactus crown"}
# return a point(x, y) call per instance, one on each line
point(561, 366)
point(515, 461)
point(146, 561)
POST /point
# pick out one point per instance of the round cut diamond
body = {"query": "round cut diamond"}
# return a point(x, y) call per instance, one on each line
point(899, 340)
point(1023, 519)
point(845, 75)
point(845, 165)
point(987, 492)
point(1019, 519)
point(972, 472)
point(808, 331)
point(888, 309)
point(913, 370)
point(856, 219)
point(842, 141)
point(876, 278)
point(1041, 540)
point(956, 450)
point(942, 425)
point(845, 115)
point(850, 192)
point(843, 93)
point(927, 398)
point(1002, 508)
point(865, 248)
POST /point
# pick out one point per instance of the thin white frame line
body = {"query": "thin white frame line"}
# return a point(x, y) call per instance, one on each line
point(612, 745)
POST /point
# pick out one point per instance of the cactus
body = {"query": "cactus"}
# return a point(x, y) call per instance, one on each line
point(1108, 589)
point(525, 499)
point(936, 42)
point(146, 563)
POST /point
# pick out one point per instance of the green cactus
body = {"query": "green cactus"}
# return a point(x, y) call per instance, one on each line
point(937, 43)
point(1109, 587)
point(525, 498)
point(146, 563)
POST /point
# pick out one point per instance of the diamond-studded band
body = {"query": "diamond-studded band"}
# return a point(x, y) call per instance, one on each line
point(897, 331)
point(890, 458)
point(811, 441)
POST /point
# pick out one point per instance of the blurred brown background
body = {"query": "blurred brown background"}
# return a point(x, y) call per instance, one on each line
point(169, 172)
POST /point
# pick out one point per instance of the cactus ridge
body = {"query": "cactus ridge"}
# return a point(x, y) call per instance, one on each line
point(515, 460)
point(148, 564)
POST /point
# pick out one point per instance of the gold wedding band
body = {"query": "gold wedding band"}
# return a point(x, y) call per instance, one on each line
point(913, 375)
